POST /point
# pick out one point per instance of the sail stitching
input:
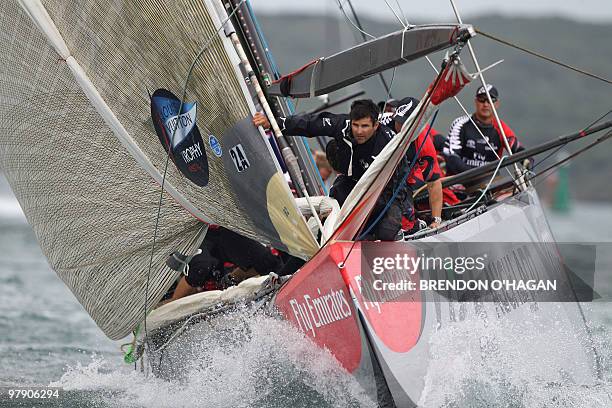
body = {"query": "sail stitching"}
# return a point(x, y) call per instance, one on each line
point(47, 27)
point(161, 195)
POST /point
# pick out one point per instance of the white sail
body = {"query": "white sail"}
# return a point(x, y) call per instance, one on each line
point(78, 145)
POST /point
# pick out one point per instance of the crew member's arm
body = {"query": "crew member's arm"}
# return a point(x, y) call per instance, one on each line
point(435, 201)
point(515, 145)
point(309, 125)
point(182, 289)
point(432, 175)
point(455, 164)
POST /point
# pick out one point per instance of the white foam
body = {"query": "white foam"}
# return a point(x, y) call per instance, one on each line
point(272, 365)
point(526, 364)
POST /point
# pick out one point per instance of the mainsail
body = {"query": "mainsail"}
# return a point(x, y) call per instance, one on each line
point(83, 155)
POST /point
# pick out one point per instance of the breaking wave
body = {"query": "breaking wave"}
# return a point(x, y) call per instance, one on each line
point(272, 365)
point(265, 362)
point(491, 364)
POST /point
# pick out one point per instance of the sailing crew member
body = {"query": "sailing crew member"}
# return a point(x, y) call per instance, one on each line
point(220, 246)
point(426, 170)
point(325, 169)
point(465, 147)
point(388, 107)
point(358, 138)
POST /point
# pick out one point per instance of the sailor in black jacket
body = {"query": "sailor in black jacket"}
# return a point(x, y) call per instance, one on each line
point(466, 148)
point(357, 139)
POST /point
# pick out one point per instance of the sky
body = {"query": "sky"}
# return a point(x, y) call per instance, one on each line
point(599, 11)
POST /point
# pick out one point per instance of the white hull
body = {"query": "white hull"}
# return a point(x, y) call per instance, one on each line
point(355, 330)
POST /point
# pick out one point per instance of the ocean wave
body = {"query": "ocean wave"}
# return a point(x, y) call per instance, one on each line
point(272, 365)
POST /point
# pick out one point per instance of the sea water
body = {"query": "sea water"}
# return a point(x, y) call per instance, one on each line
point(47, 339)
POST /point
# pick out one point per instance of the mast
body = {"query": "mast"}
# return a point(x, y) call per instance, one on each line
point(365, 39)
point(289, 157)
point(520, 177)
point(293, 149)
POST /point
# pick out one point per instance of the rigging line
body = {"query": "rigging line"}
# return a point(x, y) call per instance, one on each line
point(380, 74)
point(565, 144)
point(521, 181)
point(571, 156)
point(401, 10)
point(341, 264)
point(549, 155)
point(357, 25)
point(406, 26)
point(396, 15)
point(351, 21)
point(550, 173)
point(544, 57)
point(388, 93)
point(402, 180)
point(595, 122)
point(161, 194)
point(488, 185)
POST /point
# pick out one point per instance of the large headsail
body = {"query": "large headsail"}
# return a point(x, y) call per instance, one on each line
point(79, 82)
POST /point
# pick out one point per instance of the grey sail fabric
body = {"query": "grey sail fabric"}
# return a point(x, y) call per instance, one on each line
point(81, 152)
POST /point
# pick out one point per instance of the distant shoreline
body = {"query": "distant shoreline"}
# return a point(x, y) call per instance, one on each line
point(384, 19)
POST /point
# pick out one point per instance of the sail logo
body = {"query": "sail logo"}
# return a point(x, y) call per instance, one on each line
point(215, 146)
point(402, 110)
point(175, 123)
point(239, 158)
point(316, 312)
point(192, 153)
point(179, 126)
point(385, 118)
